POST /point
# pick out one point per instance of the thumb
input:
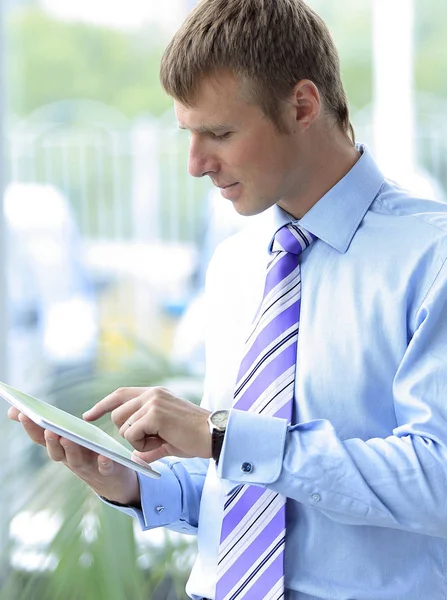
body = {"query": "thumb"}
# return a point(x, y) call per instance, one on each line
point(105, 465)
point(150, 455)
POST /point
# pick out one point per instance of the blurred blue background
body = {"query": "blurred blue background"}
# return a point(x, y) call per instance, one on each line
point(105, 241)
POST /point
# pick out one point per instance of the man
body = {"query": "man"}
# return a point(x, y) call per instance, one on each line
point(357, 482)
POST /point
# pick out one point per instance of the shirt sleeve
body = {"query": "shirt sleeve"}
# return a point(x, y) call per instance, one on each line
point(173, 500)
point(399, 481)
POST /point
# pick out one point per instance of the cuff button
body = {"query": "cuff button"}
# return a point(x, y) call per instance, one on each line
point(247, 467)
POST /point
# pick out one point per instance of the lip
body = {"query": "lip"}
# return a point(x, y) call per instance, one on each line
point(225, 187)
point(231, 192)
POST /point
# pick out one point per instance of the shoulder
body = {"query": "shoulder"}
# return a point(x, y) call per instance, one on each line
point(424, 213)
point(409, 227)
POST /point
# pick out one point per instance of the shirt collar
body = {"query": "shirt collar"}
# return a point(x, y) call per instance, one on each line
point(335, 218)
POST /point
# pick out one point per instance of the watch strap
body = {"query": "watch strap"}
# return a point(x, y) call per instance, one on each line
point(217, 438)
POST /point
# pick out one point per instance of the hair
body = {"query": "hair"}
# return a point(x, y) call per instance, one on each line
point(269, 45)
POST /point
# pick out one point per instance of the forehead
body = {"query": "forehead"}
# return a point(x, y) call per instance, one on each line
point(219, 101)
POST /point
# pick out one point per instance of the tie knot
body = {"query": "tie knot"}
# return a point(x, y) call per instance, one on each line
point(291, 238)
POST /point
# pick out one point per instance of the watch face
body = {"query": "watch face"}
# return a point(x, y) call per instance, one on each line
point(219, 419)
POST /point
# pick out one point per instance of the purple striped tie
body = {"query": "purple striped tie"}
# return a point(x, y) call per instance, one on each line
point(251, 551)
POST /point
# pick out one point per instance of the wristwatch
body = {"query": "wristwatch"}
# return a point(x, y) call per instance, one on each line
point(217, 422)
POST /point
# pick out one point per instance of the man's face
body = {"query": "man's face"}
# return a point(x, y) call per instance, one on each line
point(239, 148)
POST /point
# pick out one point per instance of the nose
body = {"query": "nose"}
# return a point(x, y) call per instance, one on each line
point(201, 161)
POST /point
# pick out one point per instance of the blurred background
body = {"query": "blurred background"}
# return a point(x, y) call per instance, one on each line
point(105, 240)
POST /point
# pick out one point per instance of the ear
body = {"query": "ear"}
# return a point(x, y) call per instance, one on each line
point(306, 103)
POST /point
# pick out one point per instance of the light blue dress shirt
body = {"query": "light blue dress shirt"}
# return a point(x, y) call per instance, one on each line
point(365, 463)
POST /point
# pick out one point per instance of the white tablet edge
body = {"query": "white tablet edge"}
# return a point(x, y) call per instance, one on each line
point(145, 470)
point(149, 471)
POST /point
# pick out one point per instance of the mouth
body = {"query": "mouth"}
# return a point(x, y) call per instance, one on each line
point(226, 187)
point(232, 191)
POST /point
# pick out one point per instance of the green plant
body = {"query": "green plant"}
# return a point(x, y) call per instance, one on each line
point(96, 554)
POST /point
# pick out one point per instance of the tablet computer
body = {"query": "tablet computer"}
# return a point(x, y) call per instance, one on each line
point(72, 428)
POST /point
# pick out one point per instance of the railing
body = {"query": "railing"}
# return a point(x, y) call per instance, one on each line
point(123, 180)
point(128, 180)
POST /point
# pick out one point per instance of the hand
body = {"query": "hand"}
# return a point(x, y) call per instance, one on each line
point(107, 478)
point(156, 423)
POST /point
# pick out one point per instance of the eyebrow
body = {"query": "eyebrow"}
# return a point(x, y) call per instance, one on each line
point(206, 128)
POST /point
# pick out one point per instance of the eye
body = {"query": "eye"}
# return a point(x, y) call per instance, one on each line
point(221, 136)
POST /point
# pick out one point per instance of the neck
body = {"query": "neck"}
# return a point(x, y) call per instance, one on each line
point(330, 156)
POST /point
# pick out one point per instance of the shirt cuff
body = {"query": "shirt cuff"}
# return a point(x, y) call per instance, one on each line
point(161, 499)
point(253, 449)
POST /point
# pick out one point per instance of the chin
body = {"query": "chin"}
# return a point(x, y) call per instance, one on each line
point(251, 210)
point(246, 211)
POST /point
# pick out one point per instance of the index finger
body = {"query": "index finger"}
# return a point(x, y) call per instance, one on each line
point(112, 401)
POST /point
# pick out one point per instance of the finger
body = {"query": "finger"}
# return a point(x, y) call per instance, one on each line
point(82, 460)
point(130, 422)
point(34, 432)
point(138, 425)
point(151, 456)
point(136, 458)
point(13, 413)
point(77, 457)
point(151, 444)
point(125, 415)
point(55, 449)
point(111, 402)
point(140, 435)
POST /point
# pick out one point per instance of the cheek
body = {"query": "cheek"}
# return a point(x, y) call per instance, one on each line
point(259, 160)
point(268, 167)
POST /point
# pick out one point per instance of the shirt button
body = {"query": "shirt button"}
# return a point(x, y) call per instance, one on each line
point(246, 467)
point(316, 497)
point(160, 509)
